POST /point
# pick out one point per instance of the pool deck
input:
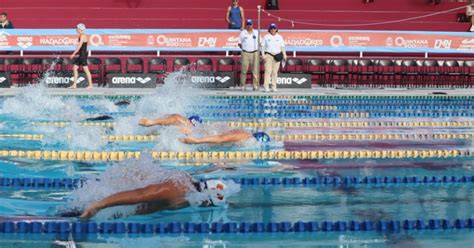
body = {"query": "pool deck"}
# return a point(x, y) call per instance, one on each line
point(223, 92)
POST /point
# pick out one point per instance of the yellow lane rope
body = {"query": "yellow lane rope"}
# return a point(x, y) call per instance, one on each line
point(216, 155)
point(305, 124)
point(323, 137)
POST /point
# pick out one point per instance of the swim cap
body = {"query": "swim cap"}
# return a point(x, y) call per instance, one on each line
point(81, 26)
point(195, 120)
point(262, 137)
point(216, 187)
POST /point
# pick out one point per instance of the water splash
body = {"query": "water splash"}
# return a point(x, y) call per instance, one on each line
point(34, 102)
point(124, 176)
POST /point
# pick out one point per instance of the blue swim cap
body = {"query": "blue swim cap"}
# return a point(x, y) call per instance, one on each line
point(262, 137)
point(195, 120)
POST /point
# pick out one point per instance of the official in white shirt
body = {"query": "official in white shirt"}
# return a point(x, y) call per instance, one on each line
point(273, 51)
point(248, 42)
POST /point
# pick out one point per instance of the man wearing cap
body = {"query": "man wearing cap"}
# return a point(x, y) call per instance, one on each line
point(273, 51)
point(248, 42)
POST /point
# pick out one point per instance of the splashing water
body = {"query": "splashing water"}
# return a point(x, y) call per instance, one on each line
point(134, 174)
point(34, 102)
point(176, 96)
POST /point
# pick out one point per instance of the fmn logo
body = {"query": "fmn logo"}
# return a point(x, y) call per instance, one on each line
point(299, 80)
point(143, 80)
point(222, 79)
point(2, 79)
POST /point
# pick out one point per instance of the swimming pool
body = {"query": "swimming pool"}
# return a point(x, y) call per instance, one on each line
point(361, 170)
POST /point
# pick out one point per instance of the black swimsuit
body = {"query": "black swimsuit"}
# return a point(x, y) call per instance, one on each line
point(82, 59)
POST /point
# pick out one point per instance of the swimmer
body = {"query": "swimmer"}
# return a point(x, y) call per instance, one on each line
point(168, 195)
point(184, 123)
point(232, 136)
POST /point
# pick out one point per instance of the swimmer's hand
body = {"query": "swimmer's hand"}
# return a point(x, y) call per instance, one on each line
point(145, 122)
point(89, 212)
point(282, 168)
point(189, 140)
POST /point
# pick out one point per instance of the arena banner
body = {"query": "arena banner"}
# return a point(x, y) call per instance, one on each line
point(64, 80)
point(226, 40)
point(131, 80)
point(212, 79)
point(294, 80)
point(5, 81)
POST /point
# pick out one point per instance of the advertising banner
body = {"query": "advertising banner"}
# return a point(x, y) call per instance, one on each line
point(64, 80)
point(226, 40)
point(294, 80)
point(5, 81)
point(131, 80)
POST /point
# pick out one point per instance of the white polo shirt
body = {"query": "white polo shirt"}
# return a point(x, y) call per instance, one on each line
point(248, 40)
point(273, 43)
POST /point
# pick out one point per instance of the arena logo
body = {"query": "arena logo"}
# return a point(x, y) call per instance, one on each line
point(130, 80)
point(290, 81)
point(63, 80)
point(173, 41)
point(402, 42)
point(209, 79)
point(58, 41)
point(24, 41)
point(304, 42)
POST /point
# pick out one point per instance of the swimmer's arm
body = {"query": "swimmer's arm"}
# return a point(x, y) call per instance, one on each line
point(165, 121)
point(216, 139)
point(152, 193)
point(213, 167)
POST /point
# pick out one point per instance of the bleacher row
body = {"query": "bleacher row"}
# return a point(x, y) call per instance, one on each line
point(324, 72)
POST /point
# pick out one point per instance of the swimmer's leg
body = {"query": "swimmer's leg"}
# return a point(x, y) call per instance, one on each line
point(152, 193)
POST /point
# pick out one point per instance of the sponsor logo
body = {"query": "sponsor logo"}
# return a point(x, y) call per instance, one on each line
point(130, 80)
point(120, 36)
point(24, 41)
point(63, 80)
point(336, 41)
point(96, 40)
point(2, 79)
point(290, 81)
point(173, 41)
point(304, 42)
point(143, 80)
point(209, 79)
point(58, 41)
point(389, 41)
point(442, 44)
point(402, 42)
point(467, 44)
point(232, 42)
point(223, 79)
point(207, 42)
point(4, 39)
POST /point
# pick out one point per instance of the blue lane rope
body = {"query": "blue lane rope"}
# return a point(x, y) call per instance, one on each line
point(289, 181)
point(297, 115)
point(301, 107)
point(66, 227)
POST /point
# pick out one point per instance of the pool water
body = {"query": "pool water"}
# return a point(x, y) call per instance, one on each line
point(260, 203)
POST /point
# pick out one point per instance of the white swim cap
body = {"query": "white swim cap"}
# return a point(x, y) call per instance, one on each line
point(216, 195)
point(81, 26)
